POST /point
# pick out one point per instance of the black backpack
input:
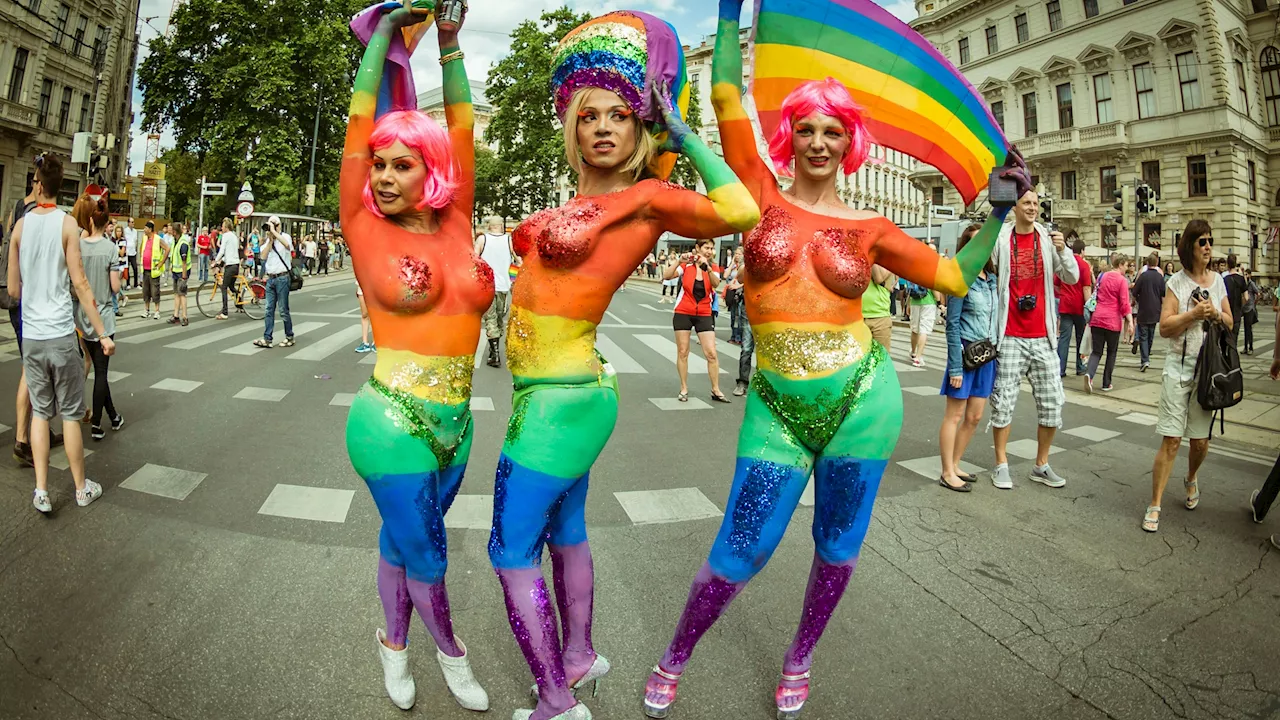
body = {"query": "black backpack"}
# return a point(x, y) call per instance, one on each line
point(1219, 381)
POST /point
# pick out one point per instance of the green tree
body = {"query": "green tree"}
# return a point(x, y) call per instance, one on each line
point(489, 179)
point(524, 125)
point(240, 87)
point(684, 174)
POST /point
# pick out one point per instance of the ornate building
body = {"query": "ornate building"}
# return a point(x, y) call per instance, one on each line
point(1099, 94)
point(65, 66)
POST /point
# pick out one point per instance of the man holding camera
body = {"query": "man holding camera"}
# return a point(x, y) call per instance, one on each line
point(1028, 256)
point(277, 249)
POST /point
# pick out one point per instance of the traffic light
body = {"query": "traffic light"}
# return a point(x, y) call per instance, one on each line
point(1046, 210)
point(1124, 206)
point(99, 156)
point(1141, 205)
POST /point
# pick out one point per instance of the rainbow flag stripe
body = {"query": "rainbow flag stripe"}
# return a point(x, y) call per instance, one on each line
point(915, 101)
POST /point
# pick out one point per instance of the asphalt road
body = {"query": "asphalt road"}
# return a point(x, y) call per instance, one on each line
point(228, 570)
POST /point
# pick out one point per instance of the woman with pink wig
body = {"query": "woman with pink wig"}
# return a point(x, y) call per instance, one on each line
point(825, 401)
point(407, 191)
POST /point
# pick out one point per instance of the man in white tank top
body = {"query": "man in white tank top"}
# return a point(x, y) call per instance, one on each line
point(44, 267)
point(494, 247)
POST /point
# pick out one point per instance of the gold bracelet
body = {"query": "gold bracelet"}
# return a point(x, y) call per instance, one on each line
point(455, 55)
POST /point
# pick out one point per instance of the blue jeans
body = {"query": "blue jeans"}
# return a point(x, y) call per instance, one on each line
point(748, 349)
point(204, 268)
point(1065, 324)
point(738, 321)
point(278, 292)
point(1146, 334)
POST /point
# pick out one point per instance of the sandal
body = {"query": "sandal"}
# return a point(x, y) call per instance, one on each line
point(1193, 493)
point(261, 343)
point(721, 398)
point(1151, 521)
point(791, 687)
point(683, 397)
point(660, 692)
point(963, 487)
point(221, 316)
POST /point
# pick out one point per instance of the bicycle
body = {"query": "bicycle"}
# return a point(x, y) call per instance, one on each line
point(248, 295)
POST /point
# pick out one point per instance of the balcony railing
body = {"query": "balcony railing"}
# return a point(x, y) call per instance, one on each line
point(1086, 138)
point(19, 116)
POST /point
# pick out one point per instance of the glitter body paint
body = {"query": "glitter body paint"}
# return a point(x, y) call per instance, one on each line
point(825, 401)
point(575, 257)
point(409, 428)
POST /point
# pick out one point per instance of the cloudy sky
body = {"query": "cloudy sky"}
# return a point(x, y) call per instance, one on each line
point(484, 37)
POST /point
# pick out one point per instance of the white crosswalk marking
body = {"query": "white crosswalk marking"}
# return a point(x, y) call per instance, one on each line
point(481, 403)
point(212, 337)
point(667, 349)
point(329, 345)
point(125, 337)
point(621, 362)
point(649, 507)
point(249, 348)
point(724, 348)
point(370, 358)
point(482, 348)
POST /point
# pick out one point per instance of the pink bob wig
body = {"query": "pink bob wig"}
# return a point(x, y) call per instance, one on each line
point(828, 97)
point(424, 136)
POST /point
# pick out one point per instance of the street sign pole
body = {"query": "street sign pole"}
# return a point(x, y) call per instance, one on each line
point(201, 223)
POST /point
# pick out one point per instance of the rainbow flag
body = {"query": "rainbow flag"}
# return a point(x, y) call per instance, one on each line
point(914, 100)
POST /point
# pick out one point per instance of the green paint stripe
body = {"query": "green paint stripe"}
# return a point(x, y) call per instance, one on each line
point(726, 65)
point(613, 45)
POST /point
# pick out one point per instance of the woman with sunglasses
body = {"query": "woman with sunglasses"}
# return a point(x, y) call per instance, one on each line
point(1193, 295)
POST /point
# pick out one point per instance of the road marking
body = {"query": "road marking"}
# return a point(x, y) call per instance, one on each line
point(481, 403)
point(328, 346)
point(4, 428)
point(168, 482)
point(724, 348)
point(620, 360)
point(1095, 434)
point(616, 319)
point(667, 349)
point(370, 358)
point(482, 349)
point(112, 375)
point(177, 385)
point(931, 467)
point(922, 390)
point(661, 310)
point(264, 394)
point(652, 507)
point(905, 367)
point(1026, 448)
point(128, 339)
point(249, 348)
point(213, 337)
point(343, 399)
point(340, 316)
point(6, 357)
point(1244, 455)
point(1139, 419)
point(308, 503)
point(470, 512)
point(58, 458)
point(806, 498)
point(670, 403)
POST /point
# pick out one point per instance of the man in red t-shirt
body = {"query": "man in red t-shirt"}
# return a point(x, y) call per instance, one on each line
point(1071, 300)
point(1028, 256)
point(204, 251)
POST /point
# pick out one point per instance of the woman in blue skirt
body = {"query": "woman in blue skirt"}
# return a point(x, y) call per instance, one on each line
point(971, 320)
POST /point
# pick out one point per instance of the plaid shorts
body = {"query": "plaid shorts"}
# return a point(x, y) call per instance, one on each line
point(1037, 359)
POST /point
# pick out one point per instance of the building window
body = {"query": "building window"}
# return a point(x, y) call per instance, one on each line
point(1069, 185)
point(1144, 85)
point(1197, 177)
point(1065, 118)
point(1271, 84)
point(84, 112)
point(937, 196)
point(100, 47)
point(1259, 6)
point(32, 5)
point(1107, 181)
point(997, 111)
point(1189, 80)
point(1151, 174)
point(1055, 14)
point(60, 24)
point(46, 96)
point(1020, 24)
point(964, 50)
point(1090, 8)
point(78, 46)
point(1243, 85)
point(18, 74)
point(1029, 124)
point(1253, 181)
point(64, 110)
point(993, 41)
point(1102, 98)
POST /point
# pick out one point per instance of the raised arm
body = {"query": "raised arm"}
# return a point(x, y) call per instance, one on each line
point(736, 134)
point(460, 117)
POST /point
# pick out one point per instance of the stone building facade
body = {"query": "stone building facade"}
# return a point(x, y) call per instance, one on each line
point(65, 66)
point(1098, 94)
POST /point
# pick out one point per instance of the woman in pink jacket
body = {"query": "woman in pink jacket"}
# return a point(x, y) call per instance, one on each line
point(1112, 314)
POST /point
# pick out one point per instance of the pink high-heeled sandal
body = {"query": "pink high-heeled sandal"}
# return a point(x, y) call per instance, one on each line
point(789, 693)
point(665, 691)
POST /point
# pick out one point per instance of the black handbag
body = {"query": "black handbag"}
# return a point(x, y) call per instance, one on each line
point(295, 272)
point(978, 353)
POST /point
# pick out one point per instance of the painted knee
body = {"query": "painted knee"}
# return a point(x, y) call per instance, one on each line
point(735, 568)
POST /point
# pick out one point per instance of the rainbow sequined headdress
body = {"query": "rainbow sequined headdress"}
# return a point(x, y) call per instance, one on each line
point(627, 52)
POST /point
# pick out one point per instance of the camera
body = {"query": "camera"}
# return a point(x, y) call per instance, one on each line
point(1027, 303)
point(1199, 295)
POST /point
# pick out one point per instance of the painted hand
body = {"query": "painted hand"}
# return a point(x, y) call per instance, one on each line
point(1016, 170)
point(400, 15)
point(677, 131)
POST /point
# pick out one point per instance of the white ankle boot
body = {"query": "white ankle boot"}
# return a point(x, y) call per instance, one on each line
point(457, 675)
point(395, 673)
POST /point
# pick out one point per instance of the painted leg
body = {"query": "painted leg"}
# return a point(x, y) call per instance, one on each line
point(534, 624)
point(393, 589)
point(573, 574)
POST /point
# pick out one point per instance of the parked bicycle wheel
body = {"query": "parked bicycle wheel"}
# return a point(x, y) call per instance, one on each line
point(209, 298)
point(251, 301)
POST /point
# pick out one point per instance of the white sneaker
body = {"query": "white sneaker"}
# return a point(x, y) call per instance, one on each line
point(395, 674)
point(145, 315)
point(92, 491)
point(462, 683)
point(1000, 477)
point(41, 502)
point(1047, 477)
